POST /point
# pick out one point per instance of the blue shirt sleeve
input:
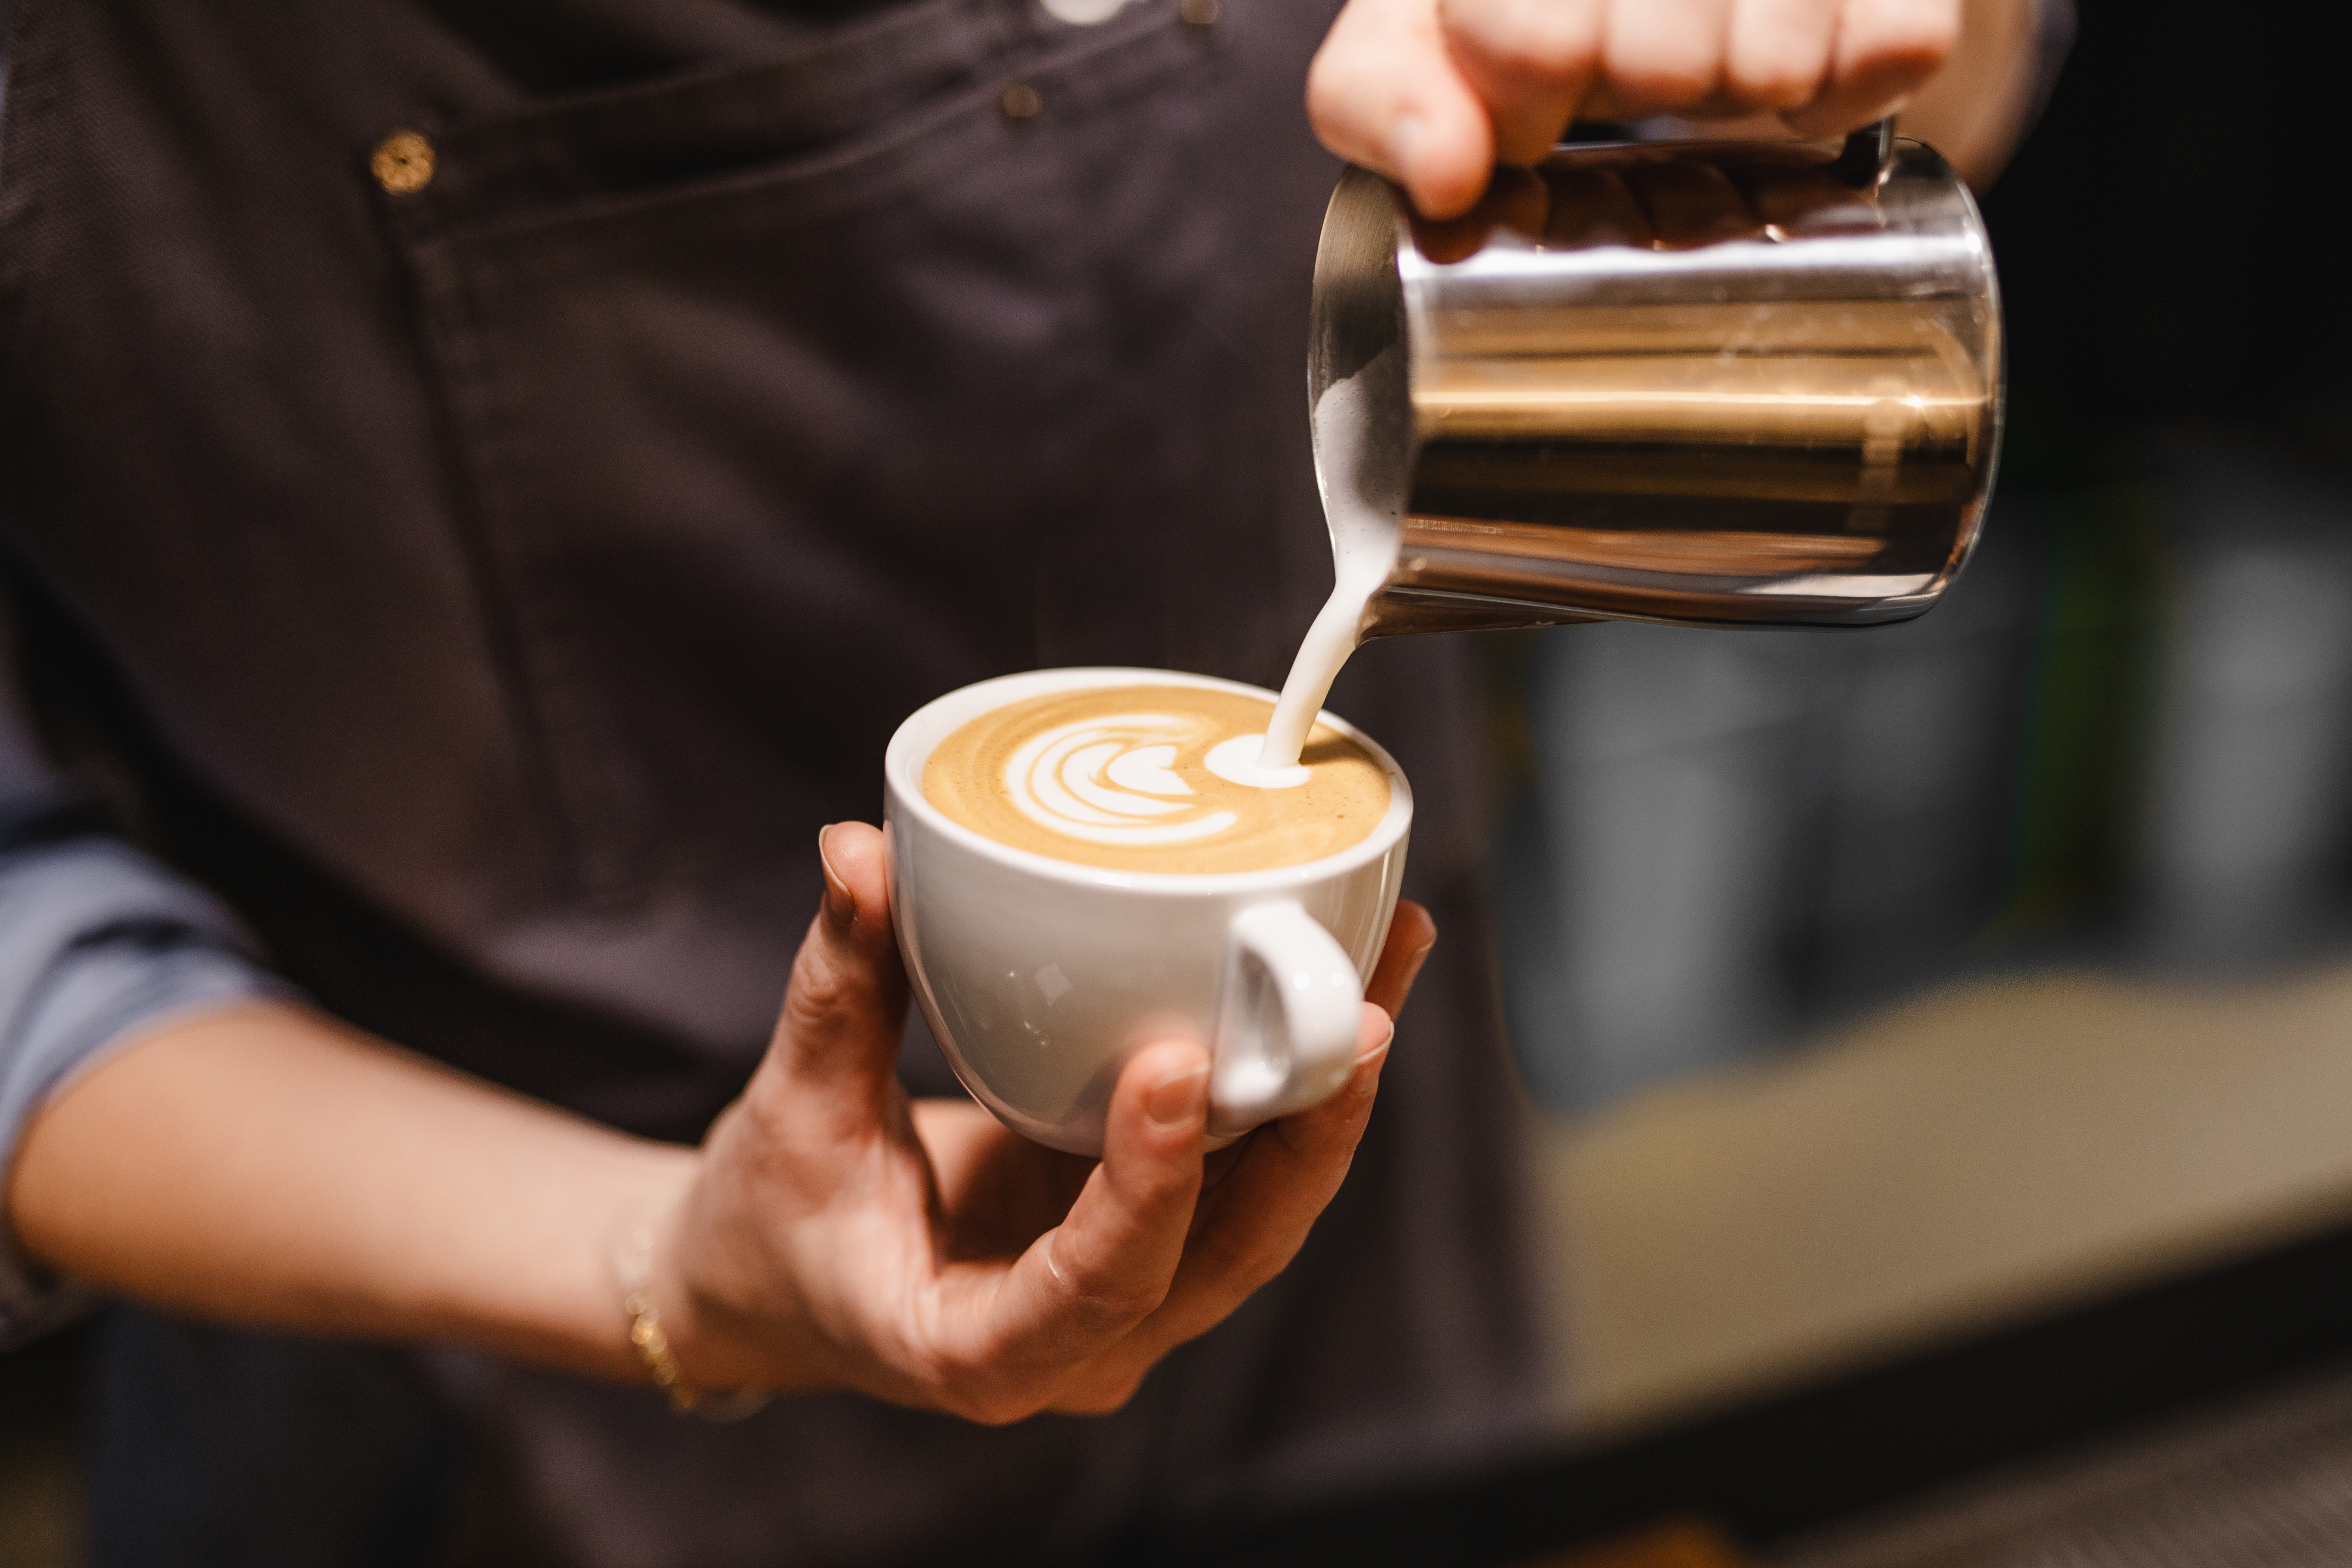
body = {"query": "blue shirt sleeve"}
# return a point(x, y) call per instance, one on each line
point(96, 943)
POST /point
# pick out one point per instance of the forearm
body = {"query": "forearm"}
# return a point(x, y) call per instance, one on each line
point(263, 1165)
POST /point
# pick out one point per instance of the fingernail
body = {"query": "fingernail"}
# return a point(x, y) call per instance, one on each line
point(1412, 965)
point(1406, 138)
point(1178, 1100)
point(1368, 1065)
point(839, 901)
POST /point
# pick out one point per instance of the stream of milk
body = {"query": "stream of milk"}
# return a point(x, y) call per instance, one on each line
point(1363, 501)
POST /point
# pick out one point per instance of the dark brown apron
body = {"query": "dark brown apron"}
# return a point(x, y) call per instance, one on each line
point(490, 587)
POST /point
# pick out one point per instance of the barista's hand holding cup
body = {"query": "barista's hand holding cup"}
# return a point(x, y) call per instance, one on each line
point(1085, 861)
point(832, 1234)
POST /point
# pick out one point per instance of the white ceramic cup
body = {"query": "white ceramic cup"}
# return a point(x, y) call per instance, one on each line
point(1041, 978)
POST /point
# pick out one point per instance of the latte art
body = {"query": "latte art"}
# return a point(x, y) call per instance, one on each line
point(1153, 778)
point(1112, 782)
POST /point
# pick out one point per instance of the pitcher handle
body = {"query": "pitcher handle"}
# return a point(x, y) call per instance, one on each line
point(1867, 155)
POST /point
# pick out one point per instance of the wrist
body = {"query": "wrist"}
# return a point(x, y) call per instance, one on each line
point(680, 1335)
point(650, 1337)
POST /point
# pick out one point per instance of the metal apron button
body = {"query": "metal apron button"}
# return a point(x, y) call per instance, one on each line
point(402, 163)
point(1020, 102)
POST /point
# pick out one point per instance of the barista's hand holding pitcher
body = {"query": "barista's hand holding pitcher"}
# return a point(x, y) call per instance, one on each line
point(1433, 93)
point(836, 1235)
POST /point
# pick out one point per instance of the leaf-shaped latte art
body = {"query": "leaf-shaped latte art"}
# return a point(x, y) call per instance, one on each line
point(1108, 780)
point(1152, 777)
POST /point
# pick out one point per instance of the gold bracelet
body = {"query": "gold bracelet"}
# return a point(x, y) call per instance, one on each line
point(644, 1324)
point(636, 1266)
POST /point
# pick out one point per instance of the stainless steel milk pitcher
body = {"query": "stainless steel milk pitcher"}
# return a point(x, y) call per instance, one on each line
point(1709, 383)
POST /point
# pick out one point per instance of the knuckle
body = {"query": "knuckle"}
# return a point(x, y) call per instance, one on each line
point(1328, 1131)
point(983, 1396)
point(1651, 67)
point(1251, 1260)
point(1348, 89)
point(1108, 1399)
point(994, 1407)
point(764, 1111)
point(1097, 1297)
point(1661, 76)
point(1263, 1264)
point(1331, 91)
point(1113, 1304)
point(817, 985)
point(1780, 79)
point(1525, 38)
point(1916, 36)
point(822, 989)
point(1155, 1195)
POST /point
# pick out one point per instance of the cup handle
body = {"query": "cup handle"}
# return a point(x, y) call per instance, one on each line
point(1289, 1007)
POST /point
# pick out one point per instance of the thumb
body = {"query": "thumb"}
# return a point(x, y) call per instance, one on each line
point(845, 1007)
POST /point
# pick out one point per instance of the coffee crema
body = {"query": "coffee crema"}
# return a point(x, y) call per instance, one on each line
point(1123, 778)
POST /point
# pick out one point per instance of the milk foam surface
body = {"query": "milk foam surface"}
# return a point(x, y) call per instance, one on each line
point(1156, 779)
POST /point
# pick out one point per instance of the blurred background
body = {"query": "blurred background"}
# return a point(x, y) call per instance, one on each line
point(2123, 740)
point(1944, 1033)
